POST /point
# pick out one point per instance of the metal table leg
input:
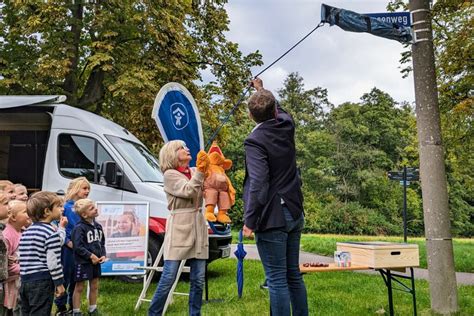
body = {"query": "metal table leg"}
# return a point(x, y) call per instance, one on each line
point(388, 277)
point(390, 296)
point(413, 292)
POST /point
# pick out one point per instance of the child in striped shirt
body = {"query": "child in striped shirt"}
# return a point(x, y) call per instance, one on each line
point(40, 255)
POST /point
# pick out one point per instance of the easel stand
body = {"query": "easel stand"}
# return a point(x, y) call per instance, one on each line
point(148, 278)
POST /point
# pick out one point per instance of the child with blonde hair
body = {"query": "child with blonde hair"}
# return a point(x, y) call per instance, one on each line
point(89, 252)
point(12, 234)
point(4, 184)
point(78, 188)
point(3, 246)
point(21, 193)
point(8, 188)
point(43, 277)
point(3, 209)
point(127, 225)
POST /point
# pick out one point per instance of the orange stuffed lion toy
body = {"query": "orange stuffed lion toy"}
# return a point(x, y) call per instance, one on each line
point(218, 189)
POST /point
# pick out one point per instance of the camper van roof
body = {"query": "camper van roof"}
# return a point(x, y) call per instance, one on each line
point(11, 101)
point(88, 120)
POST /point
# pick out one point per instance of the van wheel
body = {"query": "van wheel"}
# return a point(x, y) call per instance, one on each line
point(154, 246)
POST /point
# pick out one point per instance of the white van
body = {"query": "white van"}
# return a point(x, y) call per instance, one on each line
point(45, 143)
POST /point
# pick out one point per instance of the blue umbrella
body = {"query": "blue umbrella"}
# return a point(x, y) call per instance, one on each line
point(240, 253)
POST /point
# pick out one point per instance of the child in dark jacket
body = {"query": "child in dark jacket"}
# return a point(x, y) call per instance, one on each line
point(79, 188)
point(89, 252)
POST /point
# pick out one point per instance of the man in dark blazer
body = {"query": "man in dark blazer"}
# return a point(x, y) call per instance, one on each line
point(273, 201)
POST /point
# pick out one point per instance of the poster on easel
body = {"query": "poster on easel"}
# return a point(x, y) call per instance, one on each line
point(125, 226)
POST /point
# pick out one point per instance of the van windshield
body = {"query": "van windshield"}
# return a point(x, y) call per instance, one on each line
point(140, 159)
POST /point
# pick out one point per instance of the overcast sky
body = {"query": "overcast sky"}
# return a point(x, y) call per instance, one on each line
point(347, 64)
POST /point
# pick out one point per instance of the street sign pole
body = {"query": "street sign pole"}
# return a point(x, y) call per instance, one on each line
point(405, 204)
point(439, 244)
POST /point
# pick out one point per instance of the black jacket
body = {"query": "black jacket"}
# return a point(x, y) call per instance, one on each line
point(271, 174)
point(87, 238)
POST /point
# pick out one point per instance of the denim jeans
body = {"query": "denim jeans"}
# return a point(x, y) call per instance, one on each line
point(279, 251)
point(37, 298)
point(168, 276)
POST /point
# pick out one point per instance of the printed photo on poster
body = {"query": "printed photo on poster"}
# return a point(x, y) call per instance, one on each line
point(125, 226)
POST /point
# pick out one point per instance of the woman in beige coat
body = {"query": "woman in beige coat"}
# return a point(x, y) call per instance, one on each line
point(186, 230)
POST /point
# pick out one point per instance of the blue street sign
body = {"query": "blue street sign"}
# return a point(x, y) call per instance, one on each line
point(177, 117)
point(401, 182)
point(399, 18)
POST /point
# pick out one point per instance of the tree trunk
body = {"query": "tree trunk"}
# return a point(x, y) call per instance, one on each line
point(442, 277)
point(71, 82)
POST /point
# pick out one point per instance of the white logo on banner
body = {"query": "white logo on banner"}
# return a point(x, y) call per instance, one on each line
point(179, 116)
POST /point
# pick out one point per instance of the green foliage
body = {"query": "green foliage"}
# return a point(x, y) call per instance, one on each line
point(453, 26)
point(344, 154)
point(353, 218)
point(234, 150)
point(112, 57)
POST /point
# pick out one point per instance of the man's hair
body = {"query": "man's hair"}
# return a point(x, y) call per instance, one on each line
point(262, 105)
point(41, 201)
point(75, 186)
point(168, 157)
point(82, 205)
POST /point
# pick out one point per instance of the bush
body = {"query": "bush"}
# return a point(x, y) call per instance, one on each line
point(348, 218)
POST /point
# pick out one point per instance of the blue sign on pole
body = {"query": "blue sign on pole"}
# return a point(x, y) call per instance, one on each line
point(386, 25)
point(177, 117)
point(399, 18)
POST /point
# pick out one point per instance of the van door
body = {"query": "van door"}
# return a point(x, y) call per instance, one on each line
point(73, 154)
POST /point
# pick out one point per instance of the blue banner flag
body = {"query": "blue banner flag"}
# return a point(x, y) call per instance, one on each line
point(177, 117)
point(355, 22)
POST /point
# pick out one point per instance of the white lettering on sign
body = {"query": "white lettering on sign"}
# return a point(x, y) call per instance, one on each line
point(393, 19)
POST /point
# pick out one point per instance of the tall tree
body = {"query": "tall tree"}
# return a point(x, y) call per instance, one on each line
point(111, 57)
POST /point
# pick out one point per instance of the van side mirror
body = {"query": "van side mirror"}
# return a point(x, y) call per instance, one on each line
point(111, 174)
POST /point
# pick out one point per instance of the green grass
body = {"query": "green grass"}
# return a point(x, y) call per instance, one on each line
point(330, 293)
point(326, 245)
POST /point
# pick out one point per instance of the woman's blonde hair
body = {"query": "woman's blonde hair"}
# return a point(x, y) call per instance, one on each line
point(74, 187)
point(82, 205)
point(169, 154)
